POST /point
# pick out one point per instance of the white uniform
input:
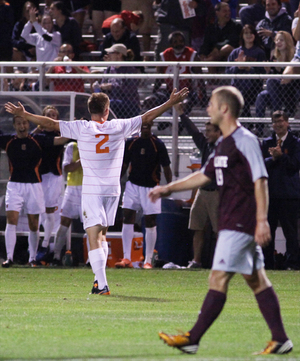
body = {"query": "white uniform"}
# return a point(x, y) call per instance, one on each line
point(71, 206)
point(101, 148)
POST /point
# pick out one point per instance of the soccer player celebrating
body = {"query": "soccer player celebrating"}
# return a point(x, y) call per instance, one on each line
point(24, 189)
point(238, 167)
point(101, 149)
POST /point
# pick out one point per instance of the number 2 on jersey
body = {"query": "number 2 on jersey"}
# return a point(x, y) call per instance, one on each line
point(99, 146)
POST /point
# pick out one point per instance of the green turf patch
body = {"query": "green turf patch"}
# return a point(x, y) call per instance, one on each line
point(48, 313)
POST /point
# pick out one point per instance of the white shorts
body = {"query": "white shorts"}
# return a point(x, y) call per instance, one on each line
point(52, 188)
point(237, 252)
point(99, 210)
point(28, 196)
point(71, 205)
point(136, 198)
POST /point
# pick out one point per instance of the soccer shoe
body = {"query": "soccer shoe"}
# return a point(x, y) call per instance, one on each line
point(193, 264)
point(124, 263)
point(41, 254)
point(147, 266)
point(182, 342)
point(276, 347)
point(104, 292)
point(32, 263)
point(8, 263)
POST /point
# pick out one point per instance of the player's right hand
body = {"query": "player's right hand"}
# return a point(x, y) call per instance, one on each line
point(158, 192)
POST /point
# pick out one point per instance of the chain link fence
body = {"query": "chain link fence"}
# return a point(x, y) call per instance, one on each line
point(135, 87)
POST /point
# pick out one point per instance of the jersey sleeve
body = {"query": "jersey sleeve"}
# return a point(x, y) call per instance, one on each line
point(253, 153)
point(68, 155)
point(4, 139)
point(131, 126)
point(71, 129)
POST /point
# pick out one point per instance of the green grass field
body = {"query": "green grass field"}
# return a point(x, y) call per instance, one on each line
point(48, 313)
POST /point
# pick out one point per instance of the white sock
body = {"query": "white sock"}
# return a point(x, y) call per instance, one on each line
point(33, 242)
point(48, 228)
point(98, 263)
point(10, 240)
point(127, 236)
point(105, 248)
point(150, 238)
point(60, 240)
point(87, 247)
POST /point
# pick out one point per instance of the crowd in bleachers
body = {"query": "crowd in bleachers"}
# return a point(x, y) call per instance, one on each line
point(212, 30)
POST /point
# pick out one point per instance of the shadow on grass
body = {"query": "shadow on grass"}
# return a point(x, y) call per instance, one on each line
point(136, 298)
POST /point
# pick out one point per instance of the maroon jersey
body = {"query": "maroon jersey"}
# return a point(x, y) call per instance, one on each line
point(235, 165)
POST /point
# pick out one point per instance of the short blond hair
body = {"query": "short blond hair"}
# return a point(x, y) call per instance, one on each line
point(232, 97)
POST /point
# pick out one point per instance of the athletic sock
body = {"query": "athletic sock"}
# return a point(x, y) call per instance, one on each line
point(60, 240)
point(98, 263)
point(10, 240)
point(48, 228)
point(33, 242)
point(269, 306)
point(150, 238)
point(210, 310)
point(127, 236)
point(105, 248)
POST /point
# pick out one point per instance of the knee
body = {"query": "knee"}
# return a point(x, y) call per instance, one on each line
point(218, 281)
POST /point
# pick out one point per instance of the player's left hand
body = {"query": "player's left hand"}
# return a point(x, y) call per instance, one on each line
point(14, 109)
point(262, 234)
point(178, 96)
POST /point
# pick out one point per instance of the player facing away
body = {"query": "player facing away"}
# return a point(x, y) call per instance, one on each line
point(101, 148)
point(238, 167)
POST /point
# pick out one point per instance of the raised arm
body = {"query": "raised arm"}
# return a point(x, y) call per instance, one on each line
point(46, 123)
point(262, 230)
point(195, 180)
point(175, 97)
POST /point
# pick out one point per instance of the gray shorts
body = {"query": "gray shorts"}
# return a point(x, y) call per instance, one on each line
point(204, 207)
point(237, 252)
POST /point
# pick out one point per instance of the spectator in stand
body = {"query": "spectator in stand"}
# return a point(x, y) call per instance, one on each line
point(276, 19)
point(205, 15)
point(278, 94)
point(102, 10)
point(71, 206)
point(250, 50)
point(145, 154)
point(66, 53)
point(24, 189)
point(281, 152)
point(221, 37)
point(122, 92)
point(17, 7)
point(22, 51)
point(15, 84)
point(178, 51)
point(52, 181)
point(170, 18)
point(253, 13)
point(6, 27)
point(119, 34)
point(146, 8)
point(233, 4)
point(132, 19)
point(46, 41)
point(205, 205)
point(78, 9)
point(67, 26)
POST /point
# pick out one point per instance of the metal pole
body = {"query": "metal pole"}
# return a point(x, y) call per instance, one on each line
point(175, 160)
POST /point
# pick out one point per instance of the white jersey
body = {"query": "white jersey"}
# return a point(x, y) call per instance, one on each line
point(101, 148)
